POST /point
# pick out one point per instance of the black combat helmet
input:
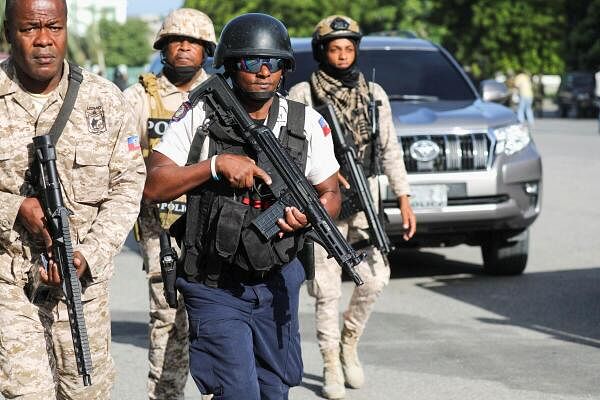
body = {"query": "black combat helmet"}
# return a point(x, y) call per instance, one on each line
point(254, 34)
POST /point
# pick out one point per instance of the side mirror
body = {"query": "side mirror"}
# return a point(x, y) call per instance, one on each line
point(495, 91)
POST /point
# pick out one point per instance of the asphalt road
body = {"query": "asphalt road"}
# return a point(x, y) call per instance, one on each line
point(442, 329)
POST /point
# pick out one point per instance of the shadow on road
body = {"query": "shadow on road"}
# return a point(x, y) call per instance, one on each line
point(130, 243)
point(130, 332)
point(307, 382)
point(408, 263)
point(562, 304)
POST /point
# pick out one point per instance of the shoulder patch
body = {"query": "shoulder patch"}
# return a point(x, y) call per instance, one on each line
point(95, 119)
point(181, 111)
point(133, 143)
point(324, 126)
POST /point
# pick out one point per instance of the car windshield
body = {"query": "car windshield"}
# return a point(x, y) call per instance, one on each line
point(580, 80)
point(406, 75)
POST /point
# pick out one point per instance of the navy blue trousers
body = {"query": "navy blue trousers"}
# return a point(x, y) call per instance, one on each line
point(245, 341)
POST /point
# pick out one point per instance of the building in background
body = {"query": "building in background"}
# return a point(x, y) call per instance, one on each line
point(85, 13)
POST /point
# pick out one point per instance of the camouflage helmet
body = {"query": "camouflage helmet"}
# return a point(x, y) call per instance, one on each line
point(190, 23)
point(334, 27)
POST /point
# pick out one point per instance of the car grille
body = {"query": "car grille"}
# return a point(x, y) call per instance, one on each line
point(457, 153)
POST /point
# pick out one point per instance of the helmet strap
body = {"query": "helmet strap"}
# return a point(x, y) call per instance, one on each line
point(255, 97)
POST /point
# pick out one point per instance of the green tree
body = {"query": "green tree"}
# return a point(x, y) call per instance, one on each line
point(301, 16)
point(486, 36)
point(503, 35)
point(222, 11)
point(121, 43)
point(583, 40)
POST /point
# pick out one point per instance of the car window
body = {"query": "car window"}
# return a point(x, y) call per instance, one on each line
point(402, 73)
point(578, 80)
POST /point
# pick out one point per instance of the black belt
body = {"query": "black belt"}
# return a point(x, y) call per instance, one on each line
point(236, 276)
point(232, 276)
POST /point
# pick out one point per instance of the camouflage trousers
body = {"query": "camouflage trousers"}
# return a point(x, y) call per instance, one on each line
point(168, 354)
point(327, 287)
point(37, 360)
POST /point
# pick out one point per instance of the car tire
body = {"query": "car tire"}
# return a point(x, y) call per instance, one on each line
point(505, 256)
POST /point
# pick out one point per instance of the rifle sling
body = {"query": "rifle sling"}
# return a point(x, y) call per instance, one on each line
point(75, 79)
point(293, 137)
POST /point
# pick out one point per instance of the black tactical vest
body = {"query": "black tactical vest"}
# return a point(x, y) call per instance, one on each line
point(218, 235)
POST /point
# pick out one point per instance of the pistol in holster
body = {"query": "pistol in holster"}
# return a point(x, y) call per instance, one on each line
point(168, 269)
point(307, 257)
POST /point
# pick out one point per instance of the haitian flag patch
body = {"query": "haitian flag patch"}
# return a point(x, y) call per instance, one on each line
point(324, 126)
point(133, 143)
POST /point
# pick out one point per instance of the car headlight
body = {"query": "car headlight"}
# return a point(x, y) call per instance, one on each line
point(512, 138)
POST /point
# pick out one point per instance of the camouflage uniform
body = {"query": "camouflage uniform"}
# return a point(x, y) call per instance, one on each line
point(153, 100)
point(102, 174)
point(326, 287)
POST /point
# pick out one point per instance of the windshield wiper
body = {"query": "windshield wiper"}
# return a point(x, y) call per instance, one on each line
point(412, 97)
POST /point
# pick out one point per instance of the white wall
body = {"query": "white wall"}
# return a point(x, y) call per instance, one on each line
point(82, 13)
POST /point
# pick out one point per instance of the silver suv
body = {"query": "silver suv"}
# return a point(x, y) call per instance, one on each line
point(475, 172)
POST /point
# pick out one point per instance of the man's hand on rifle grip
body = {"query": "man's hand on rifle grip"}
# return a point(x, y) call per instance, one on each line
point(32, 217)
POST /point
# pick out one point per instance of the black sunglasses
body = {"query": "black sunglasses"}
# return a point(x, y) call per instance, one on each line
point(254, 64)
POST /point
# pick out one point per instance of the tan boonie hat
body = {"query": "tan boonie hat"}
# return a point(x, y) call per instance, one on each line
point(336, 26)
point(190, 23)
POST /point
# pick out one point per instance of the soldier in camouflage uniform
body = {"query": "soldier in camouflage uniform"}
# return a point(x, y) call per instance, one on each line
point(102, 174)
point(185, 38)
point(338, 81)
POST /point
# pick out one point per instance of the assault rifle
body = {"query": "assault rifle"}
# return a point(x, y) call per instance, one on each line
point(358, 198)
point(289, 185)
point(375, 157)
point(47, 185)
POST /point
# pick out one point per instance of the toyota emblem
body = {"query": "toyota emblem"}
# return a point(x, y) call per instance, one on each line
point(424, 150)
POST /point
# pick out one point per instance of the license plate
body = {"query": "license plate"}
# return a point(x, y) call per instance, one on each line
point(429, 196)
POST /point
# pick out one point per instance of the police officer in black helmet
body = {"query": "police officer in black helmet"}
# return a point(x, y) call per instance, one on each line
point(242, 295)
